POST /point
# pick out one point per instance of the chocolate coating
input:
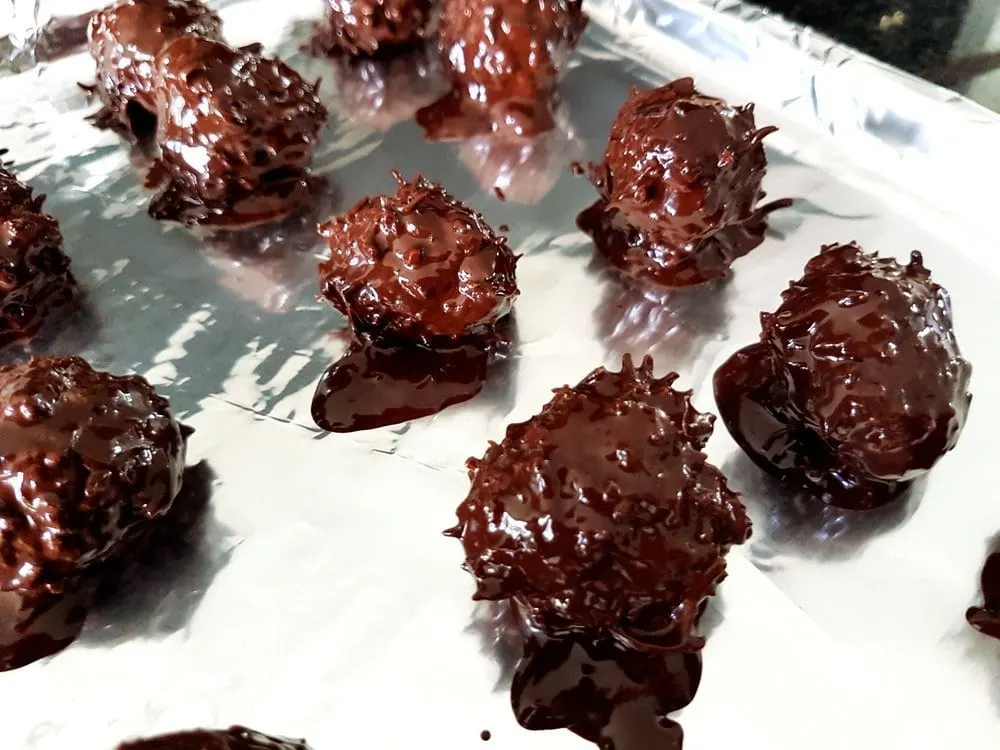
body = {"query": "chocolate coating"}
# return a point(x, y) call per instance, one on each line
point(986, 619)
point(234, 738)
point(679, 186)
point(124, 40)
point(35, 280)
point(367, 27)
point(857, 386)
point(417, 265)
point(503, 59)
point(602, 513)
point(236, 132)
point(86, 459)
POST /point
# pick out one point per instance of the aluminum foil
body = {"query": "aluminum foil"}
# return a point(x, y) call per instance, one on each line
point(319, 599)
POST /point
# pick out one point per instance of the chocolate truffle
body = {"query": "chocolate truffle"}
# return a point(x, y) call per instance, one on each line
point(603, 513)
point(35, 280)
point(857, 386)
point(86, 460)
point(125, 39)
point(236, 132)
point(367, 27)
point(234, 738)
point(418, 265)
point(679, 186)
point(502, 58)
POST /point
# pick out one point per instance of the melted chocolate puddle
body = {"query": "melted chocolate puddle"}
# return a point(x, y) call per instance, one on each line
point(376, 384)
point(234, 738)
point(619, 697)
point(612, 695)
point(986, 619)
point(35, 624)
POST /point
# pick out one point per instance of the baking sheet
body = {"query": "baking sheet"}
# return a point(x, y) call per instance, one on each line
point(319, 598)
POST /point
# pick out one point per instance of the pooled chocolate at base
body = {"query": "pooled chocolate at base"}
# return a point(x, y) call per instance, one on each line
point(857, 386)
point(679, 187)
point(234, 738)
point(602, 513)
point(35, 279)
point(378, 385)
point(503, 61)
point(124, 40)
point(986, 619)
point(236, 133)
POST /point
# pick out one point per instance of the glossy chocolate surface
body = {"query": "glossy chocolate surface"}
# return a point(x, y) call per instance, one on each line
point(86, 459)
point(986, 619)
point(602, 512)
point(234, 738)
point(125, 39)
point(417, 265)
point(609, 693)
point(502, 58)
point(236, 132)
point(857, 386)
point(679, 187)
point(374, 385)
point(369, 27)
point(35, 280)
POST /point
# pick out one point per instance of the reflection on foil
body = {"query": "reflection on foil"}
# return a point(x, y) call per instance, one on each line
point(669, 325)
point(62, 36)
point(381, 92)
point(522, 170)
point(790, 521)
point(266, 264)
point(613, 695)
point(172, 553)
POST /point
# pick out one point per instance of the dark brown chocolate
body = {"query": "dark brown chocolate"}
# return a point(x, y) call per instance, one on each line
point(35, 280)
point(236, 132)
point(613, 695)
point(85, 459)
point(857, 386)
point(502, 58)
point(35, 623)
point(679, 187)
point(234, 738)
point(418, 265)
point(369, 27)
point(374, 385)
point(602, 513)
point(986, 619)
point(125, 39)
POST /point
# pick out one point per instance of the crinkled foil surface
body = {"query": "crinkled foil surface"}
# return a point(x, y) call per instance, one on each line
point(321, 600)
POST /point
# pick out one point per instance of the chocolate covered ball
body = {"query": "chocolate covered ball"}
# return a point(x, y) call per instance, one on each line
point(679, 186)
point(234, 738)
point(35, 280)
point(236, 132)
point(857, 386)
point(86, 460)
point(367, 27)
point(417, 265)
point(502, 58)
point(124, 40)
point(602, 512)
